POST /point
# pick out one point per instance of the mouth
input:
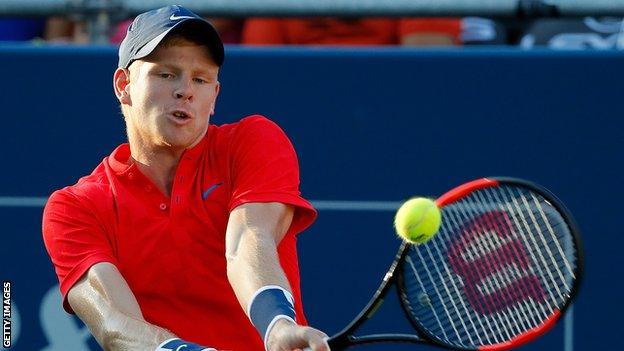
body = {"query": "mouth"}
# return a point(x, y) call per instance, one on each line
point(180, 116)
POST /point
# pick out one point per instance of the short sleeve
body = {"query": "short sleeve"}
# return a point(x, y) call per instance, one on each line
point(265, 168)
point(74, 239)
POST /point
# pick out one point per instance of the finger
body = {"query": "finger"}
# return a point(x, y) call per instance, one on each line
point(317, 341)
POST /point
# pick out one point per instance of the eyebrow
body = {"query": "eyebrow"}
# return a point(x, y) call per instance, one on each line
point(176, 67)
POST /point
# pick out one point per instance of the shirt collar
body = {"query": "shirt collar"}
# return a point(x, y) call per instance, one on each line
point(119, 159)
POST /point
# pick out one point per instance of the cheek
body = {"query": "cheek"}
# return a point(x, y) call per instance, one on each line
point(150, 91)
point(210, 103)
point(153, 95)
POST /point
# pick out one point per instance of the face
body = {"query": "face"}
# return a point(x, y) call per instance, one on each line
point(168, 97)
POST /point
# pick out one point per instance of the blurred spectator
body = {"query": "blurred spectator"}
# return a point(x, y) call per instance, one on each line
point(482, 31)
point(578, 34)
point(21, 29)
point(65, 30)
point(230, 29)
point(329, 31)
point(429, 32)
point(371, 31)
point(296, 31)
point(49, 29)
point(61, 29)
point(120, 30)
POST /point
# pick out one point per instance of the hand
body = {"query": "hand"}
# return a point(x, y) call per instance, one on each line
point(287, 336)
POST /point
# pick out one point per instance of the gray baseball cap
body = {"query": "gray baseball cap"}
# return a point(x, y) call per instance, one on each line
point(150, 28)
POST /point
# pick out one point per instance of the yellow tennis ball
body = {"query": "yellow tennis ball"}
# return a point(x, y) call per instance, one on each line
point(417, 220)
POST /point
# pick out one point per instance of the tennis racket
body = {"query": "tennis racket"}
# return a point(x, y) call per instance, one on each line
point(502, 269)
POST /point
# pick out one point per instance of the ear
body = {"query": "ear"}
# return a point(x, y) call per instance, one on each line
point(214, 102)
point(121, 85)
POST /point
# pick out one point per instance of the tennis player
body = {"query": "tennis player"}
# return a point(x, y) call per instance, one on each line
point(185, 237)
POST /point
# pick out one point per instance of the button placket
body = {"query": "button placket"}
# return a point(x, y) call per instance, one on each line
point(178, 186)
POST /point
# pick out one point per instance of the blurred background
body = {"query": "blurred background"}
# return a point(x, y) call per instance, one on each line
point(383, 100)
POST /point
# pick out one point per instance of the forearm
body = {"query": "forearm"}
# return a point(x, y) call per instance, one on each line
point(254, 271)
point(255, 264)
point(255, 268)
point(104, 302)
point(124, 332)
point(253, 234)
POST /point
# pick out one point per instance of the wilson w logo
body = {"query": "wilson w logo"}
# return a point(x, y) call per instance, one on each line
point(494, 265)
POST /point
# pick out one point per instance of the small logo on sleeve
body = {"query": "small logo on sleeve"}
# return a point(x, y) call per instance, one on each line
point(207, 192)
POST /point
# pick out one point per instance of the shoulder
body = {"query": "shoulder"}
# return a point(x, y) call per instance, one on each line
point(77, 212)
point(90, 192)
point(258, 126)
point(251, 122)
point(248, 130)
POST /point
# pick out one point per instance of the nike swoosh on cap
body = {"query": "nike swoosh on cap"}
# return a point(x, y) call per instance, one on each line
point(175, 18)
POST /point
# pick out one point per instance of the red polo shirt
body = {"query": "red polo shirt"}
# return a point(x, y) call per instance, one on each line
point(171, 250)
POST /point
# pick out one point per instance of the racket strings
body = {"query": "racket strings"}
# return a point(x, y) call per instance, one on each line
point(425, 300)
point(529, 240)
point(489, 284)
point(455, 321)
point(554, 240)
point(502, 263)
point(526, 227)
point(515, 313)
point(520, 272)
point(498, 334)
point(532, 240)
point(456, 292)
point(451, 300)
point(488, 324)
point(556, 265)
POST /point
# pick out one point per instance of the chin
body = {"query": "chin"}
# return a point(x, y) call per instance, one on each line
point(182, 143)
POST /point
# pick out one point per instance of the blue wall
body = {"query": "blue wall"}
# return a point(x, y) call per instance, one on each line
point(369, 125)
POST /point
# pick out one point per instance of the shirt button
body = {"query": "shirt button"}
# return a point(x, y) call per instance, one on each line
point(148, 188)
point(130, 175)
point(163, 206)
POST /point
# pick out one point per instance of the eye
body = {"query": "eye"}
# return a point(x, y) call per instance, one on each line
point(200, 80)
point(165, 75)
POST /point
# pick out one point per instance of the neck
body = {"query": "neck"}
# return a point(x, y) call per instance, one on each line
point(159, 165)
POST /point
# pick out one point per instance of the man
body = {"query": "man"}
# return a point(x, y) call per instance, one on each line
point(185, 236)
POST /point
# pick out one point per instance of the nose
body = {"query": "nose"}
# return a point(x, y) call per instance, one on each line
point(184, 90)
